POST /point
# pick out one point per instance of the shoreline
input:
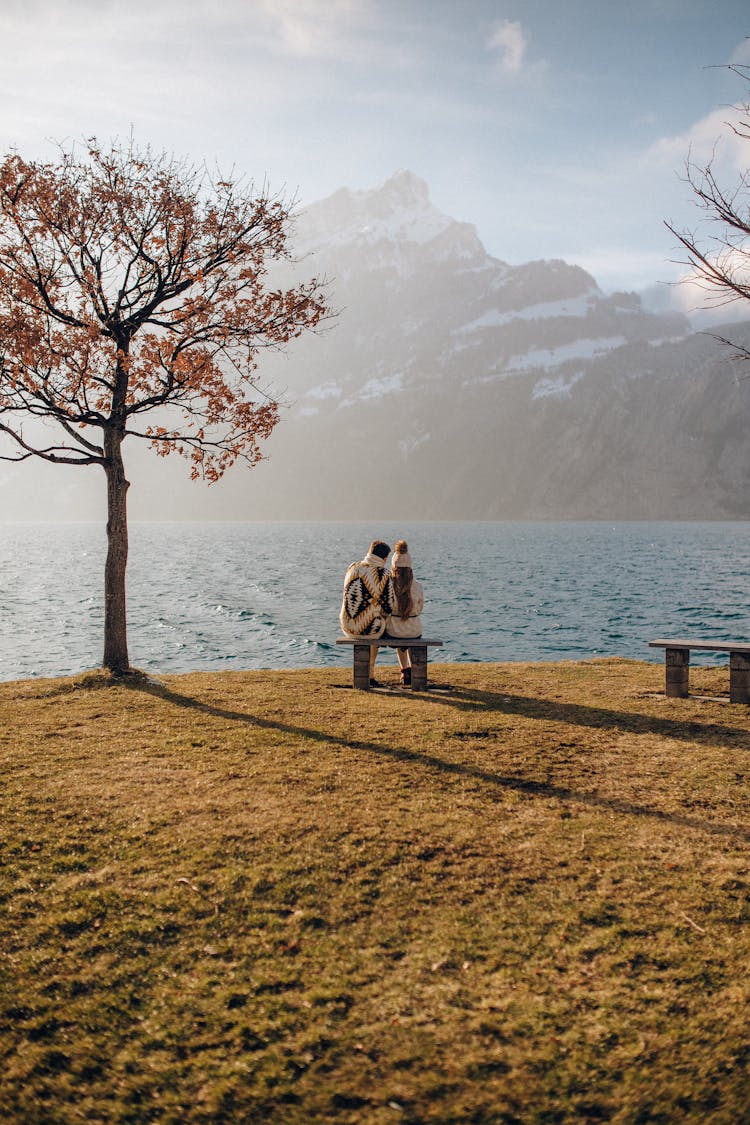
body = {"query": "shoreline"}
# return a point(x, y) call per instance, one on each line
point(345, 668)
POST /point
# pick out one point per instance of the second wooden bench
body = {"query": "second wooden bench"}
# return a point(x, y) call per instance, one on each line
point(677, 665)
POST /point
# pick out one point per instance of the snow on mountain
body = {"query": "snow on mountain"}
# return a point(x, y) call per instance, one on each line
point(393, 229)
point(552, 357)
point(556, 387)
point(399, 212)
point(455, 385)
point(421, 299)
point(576, 307)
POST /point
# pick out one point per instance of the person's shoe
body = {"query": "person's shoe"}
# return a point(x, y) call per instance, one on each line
point(406, 677)
point(375, 683)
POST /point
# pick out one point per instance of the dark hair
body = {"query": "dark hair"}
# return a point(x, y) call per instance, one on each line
point(402, 577)
point(379, 548)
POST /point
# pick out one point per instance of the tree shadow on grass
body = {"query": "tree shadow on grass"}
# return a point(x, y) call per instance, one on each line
point(432, 763)
point(583, 715)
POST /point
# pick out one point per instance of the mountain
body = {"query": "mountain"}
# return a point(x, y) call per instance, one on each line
point(454, 385)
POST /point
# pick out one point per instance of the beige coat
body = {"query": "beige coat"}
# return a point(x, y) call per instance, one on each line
point(408, 626)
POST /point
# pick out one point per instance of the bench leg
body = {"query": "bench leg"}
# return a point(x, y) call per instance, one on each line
point(362, 667)
point(739, 677)
point(677, 665)
point(418, 657)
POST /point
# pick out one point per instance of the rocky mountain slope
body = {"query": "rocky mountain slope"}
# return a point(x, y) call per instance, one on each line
point(453, 385)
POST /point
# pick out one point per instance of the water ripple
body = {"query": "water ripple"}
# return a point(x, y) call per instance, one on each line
point(243, 595)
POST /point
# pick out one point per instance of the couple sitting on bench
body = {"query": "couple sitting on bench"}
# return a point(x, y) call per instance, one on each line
point(379, 602)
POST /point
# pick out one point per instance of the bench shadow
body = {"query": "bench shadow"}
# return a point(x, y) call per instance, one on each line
point(578, 714)
point(431, 762)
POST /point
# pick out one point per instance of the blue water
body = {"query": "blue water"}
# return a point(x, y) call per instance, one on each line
point(267, 595)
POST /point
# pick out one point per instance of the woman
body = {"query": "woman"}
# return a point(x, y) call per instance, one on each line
point(404, 621)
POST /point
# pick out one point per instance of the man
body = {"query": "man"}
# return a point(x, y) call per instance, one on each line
point(368, 598)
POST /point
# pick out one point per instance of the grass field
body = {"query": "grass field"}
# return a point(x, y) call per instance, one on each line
point(263, 896)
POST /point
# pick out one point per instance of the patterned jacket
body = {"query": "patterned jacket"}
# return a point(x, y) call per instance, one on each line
point(368, 598)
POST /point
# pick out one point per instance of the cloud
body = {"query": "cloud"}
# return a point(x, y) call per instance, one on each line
point(508, 39)
point(622, 267)
point(710, 139)
point(308, 29)
point(197, 77)
point(741, 53)
point(713, 138)
point(705, 307)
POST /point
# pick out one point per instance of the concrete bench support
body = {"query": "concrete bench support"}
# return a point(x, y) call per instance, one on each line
point(417, 654)
point(677, 666)
point(739, 677)
point(362, 666)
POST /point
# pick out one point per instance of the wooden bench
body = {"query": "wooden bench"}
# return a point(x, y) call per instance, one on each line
point(677, 664)
point(417, 647)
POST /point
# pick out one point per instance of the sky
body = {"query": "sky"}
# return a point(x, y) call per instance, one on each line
point(559, 128)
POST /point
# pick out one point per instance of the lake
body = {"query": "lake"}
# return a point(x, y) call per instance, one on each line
point(266, 595)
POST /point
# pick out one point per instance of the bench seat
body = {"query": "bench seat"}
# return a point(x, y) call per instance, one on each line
point(417, 647)
point(677, 665)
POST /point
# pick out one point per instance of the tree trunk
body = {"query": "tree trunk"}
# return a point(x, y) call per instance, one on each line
point(115, 616)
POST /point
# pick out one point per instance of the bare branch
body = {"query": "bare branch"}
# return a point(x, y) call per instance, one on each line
point(57, 454)
point(720, 263)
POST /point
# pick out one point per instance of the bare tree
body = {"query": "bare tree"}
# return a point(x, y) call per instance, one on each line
point(134, 301)
point(720, 262)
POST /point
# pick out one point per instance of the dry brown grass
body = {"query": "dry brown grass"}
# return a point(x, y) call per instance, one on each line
point(266, 897)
